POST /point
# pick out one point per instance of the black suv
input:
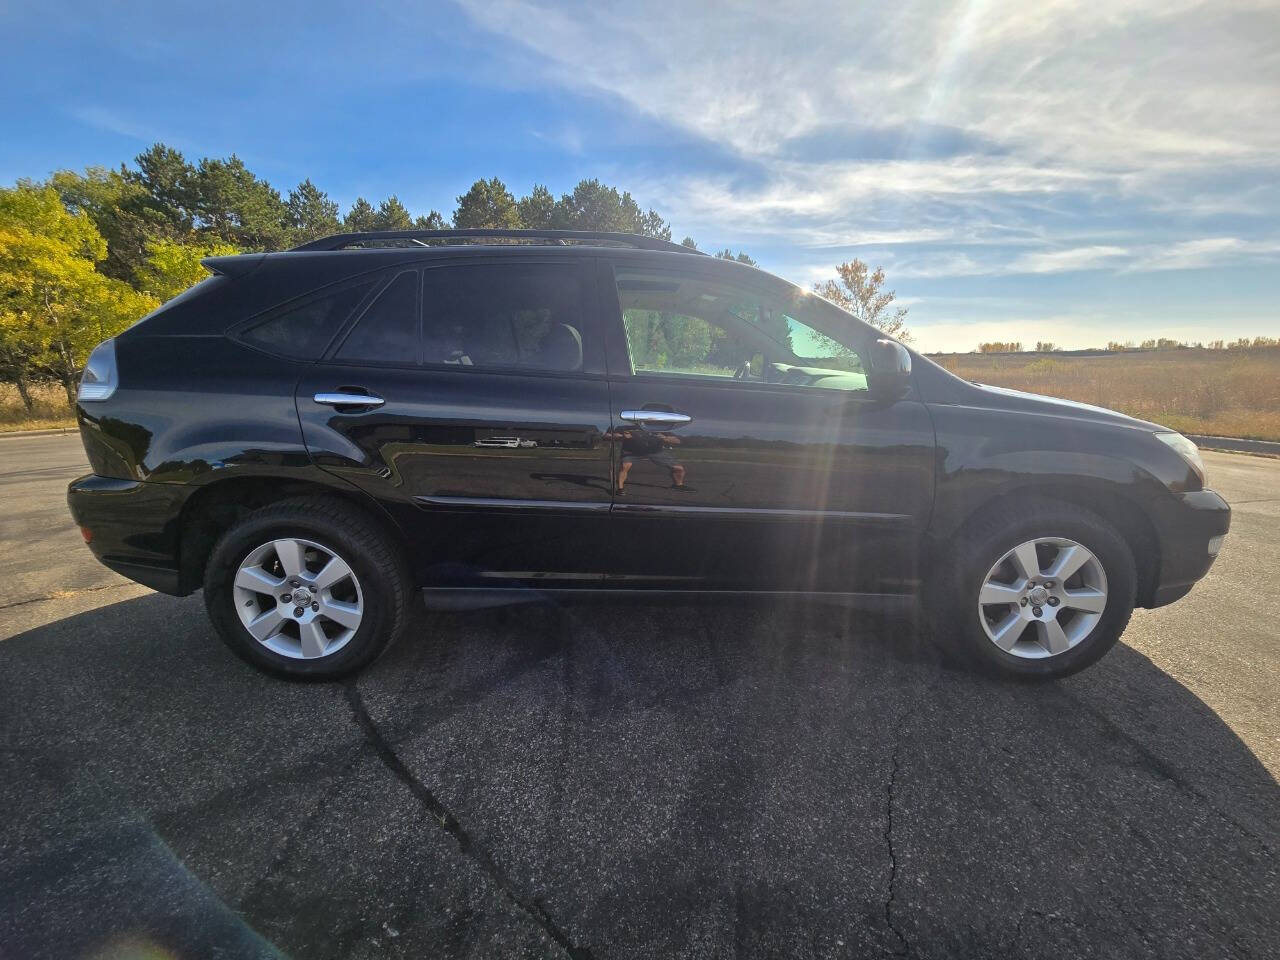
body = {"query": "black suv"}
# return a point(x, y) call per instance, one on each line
point(314, 435)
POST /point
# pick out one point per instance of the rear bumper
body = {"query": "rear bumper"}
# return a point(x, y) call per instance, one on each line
point(1191, 528)
point(132, 527)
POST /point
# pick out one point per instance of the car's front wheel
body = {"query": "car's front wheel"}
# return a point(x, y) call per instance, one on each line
point(1036, 589)
point(307, 588)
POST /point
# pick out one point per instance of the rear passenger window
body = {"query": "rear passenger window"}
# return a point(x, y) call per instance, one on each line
point(387, 332)
point(504, 315)
point(304, 332)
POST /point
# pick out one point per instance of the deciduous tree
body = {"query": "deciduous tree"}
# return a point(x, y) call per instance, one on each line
point(860, 291)
point(122, 210)
point(54, 305)
point(172, 267)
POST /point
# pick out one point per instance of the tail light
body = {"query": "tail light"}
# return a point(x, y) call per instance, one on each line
point(99, 380)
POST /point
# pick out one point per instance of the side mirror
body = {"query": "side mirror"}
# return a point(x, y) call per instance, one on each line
point(889, 370)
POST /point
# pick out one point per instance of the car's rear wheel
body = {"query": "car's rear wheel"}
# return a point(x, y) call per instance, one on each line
point(1037, 589)
point(307, 588)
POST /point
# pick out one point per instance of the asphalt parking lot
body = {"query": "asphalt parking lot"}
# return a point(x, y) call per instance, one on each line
point(631, 780)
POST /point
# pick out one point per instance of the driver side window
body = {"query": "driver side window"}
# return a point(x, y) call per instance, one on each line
point(681, 325)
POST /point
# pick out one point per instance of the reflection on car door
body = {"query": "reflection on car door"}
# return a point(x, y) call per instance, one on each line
point(481, 425)
point(739, 484)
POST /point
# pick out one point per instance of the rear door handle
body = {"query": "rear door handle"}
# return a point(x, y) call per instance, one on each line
point(656, 416)
point(349, 400)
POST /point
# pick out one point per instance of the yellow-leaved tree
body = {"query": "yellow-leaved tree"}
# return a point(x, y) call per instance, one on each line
point(172, 267)
point(860, 290)
point(55, 306)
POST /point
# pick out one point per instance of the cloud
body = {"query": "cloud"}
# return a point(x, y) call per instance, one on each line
point(568, 138)
point(106, 119)
point(1044, 138)
point(1146, 79)
point(1194, 254)
point(1205, 252)
point(1075, 258)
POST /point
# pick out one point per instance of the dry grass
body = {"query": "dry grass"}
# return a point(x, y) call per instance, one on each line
point(51, 409)
point(1228, 393)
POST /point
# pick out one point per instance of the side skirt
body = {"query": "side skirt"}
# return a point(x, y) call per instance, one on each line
point(478, 598)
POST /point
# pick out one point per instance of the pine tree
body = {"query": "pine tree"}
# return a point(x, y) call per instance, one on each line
point(361, 217)
point(311, 213)
point(392, 215)
point(487, 204)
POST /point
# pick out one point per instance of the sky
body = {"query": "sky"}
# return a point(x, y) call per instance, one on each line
point(1071, 172)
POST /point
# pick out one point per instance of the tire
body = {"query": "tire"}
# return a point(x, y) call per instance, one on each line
point(326, 630)
point(986, 561)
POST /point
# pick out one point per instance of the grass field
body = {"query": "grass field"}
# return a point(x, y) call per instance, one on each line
point(1226, 393)
point(51, 409)
point(1229, 393)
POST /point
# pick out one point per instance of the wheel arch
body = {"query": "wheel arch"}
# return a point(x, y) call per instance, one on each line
point(215, 507)
point(1097, 497)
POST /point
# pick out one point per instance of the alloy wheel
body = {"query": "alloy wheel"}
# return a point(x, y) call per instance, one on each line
point(1042, 598)
point(298, 598)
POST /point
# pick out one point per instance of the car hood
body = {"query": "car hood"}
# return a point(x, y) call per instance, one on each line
point(1004, 398)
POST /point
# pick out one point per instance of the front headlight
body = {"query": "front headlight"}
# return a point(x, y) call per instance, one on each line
point(1187, 450)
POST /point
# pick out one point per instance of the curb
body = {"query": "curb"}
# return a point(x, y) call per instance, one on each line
point(56, 431)
point(1235, 444)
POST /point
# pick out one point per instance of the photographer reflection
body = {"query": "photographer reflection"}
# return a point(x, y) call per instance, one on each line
point(651, 445)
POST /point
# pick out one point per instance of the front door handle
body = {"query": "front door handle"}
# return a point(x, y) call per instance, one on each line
point(664, 417)
point(349, 400)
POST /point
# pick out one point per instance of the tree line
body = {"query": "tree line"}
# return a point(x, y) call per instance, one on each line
point(85, 254)
point(1155, 343)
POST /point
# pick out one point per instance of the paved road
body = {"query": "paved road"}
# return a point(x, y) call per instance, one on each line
point(630, 781)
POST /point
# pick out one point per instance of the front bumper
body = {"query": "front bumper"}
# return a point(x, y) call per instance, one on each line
point(132, 527)
point(1191, 528)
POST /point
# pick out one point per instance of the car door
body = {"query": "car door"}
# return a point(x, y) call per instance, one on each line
point(468, 396)
point(749, 452)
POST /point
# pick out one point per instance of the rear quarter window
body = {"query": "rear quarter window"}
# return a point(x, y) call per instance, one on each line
point(303, 332)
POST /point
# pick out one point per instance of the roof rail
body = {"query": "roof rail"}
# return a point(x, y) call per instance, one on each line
point(424, 238)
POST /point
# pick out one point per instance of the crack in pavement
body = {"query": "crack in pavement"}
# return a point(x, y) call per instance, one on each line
point(65, 594)
point(283, 856)
point(888, 822)
point(888, 830)
point(893, 858)
point(443, 816)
